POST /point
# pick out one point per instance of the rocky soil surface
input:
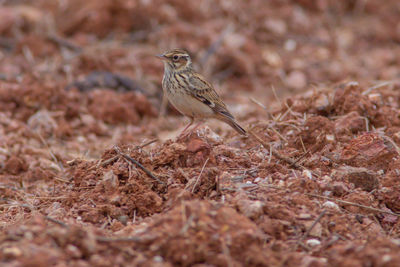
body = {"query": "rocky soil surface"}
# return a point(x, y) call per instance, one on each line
point(91, 171)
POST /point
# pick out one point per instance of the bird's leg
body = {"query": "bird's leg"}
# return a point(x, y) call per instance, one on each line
point(188, 133)
point(196, 126)
point(187, 126)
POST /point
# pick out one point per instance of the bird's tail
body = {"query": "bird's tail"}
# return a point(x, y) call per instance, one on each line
point(234, 125)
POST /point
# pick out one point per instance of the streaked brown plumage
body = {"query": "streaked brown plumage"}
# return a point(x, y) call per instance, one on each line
point(190, 93)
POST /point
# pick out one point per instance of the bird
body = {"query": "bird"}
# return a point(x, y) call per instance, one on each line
point(191, 94)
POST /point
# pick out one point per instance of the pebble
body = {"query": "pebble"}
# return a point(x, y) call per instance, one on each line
point(11, 252)
point(290, 45)
point(313, 242)
point(330, 205)
point(307, 174)
point(110, 180)
point(304, 216)
point(396, 241)
point(386, 258)
point(158, 259)
point(330, 137)
point(257, 180)
point(327, 193)
point(296, 80)
point(251, 209)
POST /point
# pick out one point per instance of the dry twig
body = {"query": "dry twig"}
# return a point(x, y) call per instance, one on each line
point(105, 239)
point(198, 177)
point(146, 144)
point(138, 164)
point(299, 242)
point(354, 204)
point(106, 162)
point(379, 85)
point(64, 43)
point(56, 221)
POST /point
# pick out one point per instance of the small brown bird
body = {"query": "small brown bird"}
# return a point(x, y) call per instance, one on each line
point(190, 93)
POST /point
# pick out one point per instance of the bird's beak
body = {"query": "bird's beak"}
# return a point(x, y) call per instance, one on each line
point(161, 56)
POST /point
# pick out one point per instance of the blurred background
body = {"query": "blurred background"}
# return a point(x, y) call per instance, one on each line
point(240, 45)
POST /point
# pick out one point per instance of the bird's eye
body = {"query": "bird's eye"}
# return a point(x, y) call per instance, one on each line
point(176, 57)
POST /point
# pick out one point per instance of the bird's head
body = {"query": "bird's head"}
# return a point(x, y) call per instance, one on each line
point(176, 59)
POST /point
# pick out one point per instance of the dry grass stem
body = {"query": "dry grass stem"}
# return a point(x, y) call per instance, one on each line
point(198, 177)
point(354, 204)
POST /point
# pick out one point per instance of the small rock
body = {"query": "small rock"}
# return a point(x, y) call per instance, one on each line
point(73, 251)
point(330, 205)
point(158, 259)
point(316, 231)
point(327, 193)
point(15, 165)
point(350, 123)
point(11, 252)
point(361, 177)
point(257, 180)
point(123, 219)
point(389, 218)
point(304, 216)
point(81, 139)
point(43, 123)
point(369, 150)
point(376, 98)
point(225, 180)
point(330, 137)
point(110, 180)
point(290, 45)
point(395, 241)
point(307, 173)
point(251, 209)
point(313, 242)
point(386, 258)
point(211, 137)
point(272, 58)
point(87, 119)
point(296, 80)
point(396, 137)
point(234, 40)
point(322, 102)
point(325, 183)
point(276, 26)
point(28, 235)
point(115, 199)
point(339, 188)
point(196, 145)
point(116, 225)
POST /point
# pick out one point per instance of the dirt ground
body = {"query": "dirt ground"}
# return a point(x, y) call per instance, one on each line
point(316, 184)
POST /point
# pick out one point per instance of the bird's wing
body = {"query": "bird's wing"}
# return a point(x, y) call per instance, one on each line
point(204, 92)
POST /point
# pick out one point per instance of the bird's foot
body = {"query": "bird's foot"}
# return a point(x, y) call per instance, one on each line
point(184, 135)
